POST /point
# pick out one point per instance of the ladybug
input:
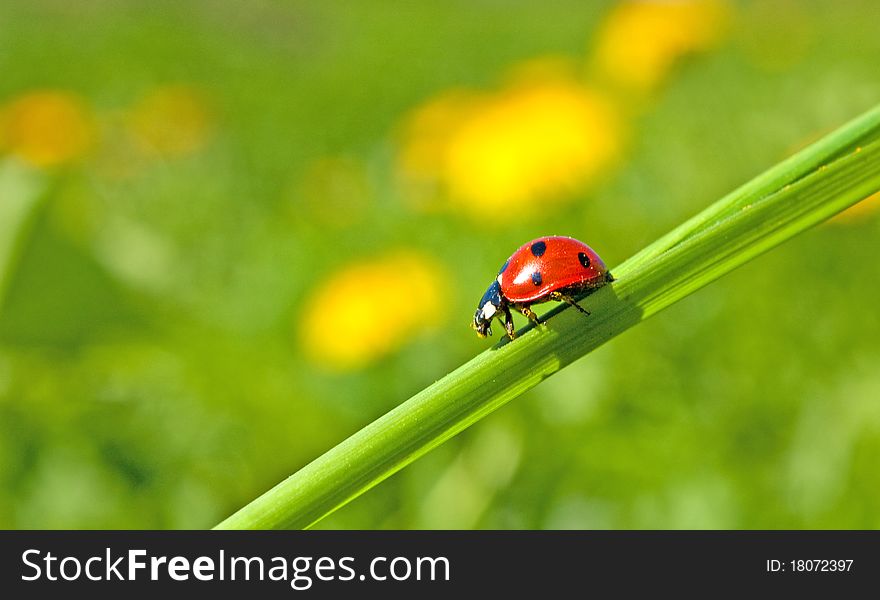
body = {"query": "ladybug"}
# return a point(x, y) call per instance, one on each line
point(548, 268)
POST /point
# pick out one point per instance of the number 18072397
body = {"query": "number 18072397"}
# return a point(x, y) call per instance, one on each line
point(817, 565)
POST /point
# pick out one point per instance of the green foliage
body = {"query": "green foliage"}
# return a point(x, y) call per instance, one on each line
point(151, 371)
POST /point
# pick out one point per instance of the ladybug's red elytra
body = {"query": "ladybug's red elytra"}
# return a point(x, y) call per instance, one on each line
point(548, 268)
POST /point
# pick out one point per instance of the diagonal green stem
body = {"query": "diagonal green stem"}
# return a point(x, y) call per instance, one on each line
point(804, 190)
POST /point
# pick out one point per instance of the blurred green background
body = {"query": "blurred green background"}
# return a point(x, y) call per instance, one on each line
point(232, 234)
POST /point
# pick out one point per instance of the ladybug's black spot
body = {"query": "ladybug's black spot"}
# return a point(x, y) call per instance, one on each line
point(539, 248)
point(536, 277)
point(585, 260)
point(504, 267)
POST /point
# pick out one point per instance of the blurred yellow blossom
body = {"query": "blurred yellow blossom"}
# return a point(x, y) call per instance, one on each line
point(171, 121)
point(369, 309)
point(497, 155)
point(858, 213)
point(531, 142)
point(640, 40)
point(46, 128)
point(427, 134)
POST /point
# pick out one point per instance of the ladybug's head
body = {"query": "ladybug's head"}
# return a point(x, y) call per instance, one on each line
point(488, 307)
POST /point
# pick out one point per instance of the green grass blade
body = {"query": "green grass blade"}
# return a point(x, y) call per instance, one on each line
point(806, 189)
point(21, 195)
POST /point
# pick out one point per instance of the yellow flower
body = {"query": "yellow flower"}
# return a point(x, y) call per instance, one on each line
point(641, 40)
point(171, 121)
point(530, 143)
point(46, 128)
point(495, 156)
point(429, 129)
point(368, 310)
point(858, 213)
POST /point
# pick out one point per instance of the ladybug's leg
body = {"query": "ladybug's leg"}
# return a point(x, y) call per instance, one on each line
point(508, 323)
point(560, 297)
point(530, 314)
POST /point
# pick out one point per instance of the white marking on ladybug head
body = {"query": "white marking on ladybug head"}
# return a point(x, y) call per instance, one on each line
point(488, 310)
point(498, 279)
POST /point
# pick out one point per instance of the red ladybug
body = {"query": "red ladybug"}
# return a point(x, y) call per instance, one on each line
point(548, 268)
